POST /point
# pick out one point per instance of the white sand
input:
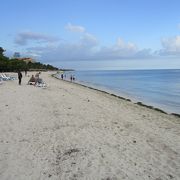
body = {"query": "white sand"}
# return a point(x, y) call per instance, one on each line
point(71, 132)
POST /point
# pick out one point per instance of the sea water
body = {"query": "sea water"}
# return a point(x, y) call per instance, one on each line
point(158, 88)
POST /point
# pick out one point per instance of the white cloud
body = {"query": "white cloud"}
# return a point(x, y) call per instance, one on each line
point(75, 28)
point(89, 40)
point(123, 47)
point(81, 50)
point(85, 49)
point(119, 50)
point(88, 49)
point(145, 53)
point(24, 37)
point(171, 46)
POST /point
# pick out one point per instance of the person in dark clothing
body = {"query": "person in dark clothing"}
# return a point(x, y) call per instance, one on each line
point(71, 78)
point(19, 77)
point(62, 76)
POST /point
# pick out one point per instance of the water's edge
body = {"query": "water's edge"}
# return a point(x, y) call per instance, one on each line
point(117, 96)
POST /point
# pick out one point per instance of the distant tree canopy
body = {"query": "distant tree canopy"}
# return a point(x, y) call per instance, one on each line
point(7, 65)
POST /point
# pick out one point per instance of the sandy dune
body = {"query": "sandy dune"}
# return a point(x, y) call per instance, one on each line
point(67, 131)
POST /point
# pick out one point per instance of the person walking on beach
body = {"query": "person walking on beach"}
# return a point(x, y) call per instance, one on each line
point(25, 72)
point(19, 77)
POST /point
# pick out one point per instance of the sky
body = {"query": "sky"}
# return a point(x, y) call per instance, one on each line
point(93, 34)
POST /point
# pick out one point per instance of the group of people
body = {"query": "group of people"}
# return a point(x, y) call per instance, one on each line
point(72, 77)
point(33, 80)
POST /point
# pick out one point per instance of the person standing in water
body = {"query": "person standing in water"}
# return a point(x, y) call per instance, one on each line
point(19, 77)
point(62, 76)
point(71, 78)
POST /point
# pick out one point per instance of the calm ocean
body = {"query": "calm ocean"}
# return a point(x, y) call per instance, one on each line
point(159, 88)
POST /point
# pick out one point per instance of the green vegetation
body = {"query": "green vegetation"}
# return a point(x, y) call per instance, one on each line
point(11, 65)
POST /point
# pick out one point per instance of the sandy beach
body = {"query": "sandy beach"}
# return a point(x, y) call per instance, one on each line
point(67, 131)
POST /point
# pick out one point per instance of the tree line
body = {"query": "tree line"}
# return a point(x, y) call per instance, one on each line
point(13, 65)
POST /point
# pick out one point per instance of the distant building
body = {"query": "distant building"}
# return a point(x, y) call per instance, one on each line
point(16, 55)
point(25, 59)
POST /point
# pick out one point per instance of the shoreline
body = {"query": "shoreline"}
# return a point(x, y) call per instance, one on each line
point(120, 97)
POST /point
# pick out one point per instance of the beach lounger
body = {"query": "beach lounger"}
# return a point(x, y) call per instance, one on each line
point(41, 83)
point(4, 78)
point(9, 77)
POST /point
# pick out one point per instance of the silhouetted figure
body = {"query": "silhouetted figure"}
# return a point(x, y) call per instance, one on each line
point(71, 78)
point(19, 77)
point(62, 76)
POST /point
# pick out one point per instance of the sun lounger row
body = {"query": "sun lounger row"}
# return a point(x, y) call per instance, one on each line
point(5, 77)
